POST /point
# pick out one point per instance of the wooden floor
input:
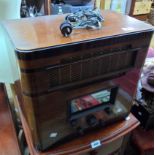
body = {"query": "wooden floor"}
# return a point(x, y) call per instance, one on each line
point(8, 139)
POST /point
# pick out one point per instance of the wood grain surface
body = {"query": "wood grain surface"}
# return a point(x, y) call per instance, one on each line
point(8, 140)
point(42, 32)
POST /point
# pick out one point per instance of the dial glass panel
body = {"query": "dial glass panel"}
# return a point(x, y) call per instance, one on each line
point(90, 100)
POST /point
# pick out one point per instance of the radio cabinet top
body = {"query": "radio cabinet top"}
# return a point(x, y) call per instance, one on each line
point(43, 32)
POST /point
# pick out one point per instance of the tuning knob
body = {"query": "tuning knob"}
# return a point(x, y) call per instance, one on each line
point(108, 110)
point(74, 123)
point(91, 120)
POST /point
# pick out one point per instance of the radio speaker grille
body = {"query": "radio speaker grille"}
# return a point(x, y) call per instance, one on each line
point(86, 67)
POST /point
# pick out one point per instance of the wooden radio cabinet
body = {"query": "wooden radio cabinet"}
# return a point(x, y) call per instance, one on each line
point(60, 75)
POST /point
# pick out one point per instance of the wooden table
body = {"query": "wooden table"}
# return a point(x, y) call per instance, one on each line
point(82, 144)
point(8, 139)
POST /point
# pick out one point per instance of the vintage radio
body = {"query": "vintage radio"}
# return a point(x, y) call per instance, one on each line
point(74, 85)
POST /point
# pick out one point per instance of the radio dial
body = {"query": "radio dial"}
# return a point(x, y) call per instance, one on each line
point(91, 120)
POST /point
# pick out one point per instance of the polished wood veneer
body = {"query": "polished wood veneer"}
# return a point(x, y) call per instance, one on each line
point(43, 32)
point(55, 69)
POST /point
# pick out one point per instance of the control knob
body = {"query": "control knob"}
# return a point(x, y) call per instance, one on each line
point(74, 122)
point(91, 120)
